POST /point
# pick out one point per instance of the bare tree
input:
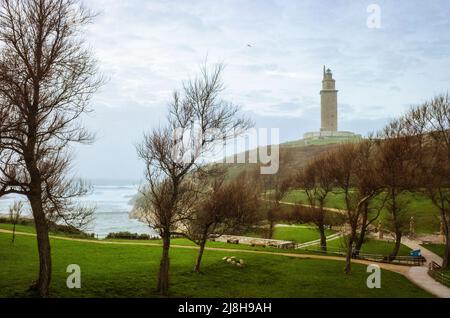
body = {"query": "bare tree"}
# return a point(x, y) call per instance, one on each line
point(165, 207)
point(398, 170)
point(47, 78)
point(369, 187)
point(198, 120)
point(224, 208)
point(15, 212)
point(317, 180)
point(429, 126)
point(275, 187)
point(352, 171)
point(344, 158)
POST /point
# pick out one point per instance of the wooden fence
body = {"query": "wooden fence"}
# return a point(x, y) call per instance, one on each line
point(435, 271)
point(399, 260)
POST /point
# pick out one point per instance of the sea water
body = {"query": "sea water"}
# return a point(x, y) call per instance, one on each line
point(112, 202)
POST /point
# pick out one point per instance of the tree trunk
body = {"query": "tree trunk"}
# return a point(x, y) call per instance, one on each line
point(271, 227)
point(398, 242)
point(200, 255)
point(445, 225)
point(13, 234)
point(360, 240)
point(348, 258)
point(45, 260)
point(163, 278)
point(271, 218)
point(446, 261)
point(323, 237)
point(362, 235)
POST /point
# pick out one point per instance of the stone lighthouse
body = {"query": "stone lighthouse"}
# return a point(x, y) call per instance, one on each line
point(329, 104)
point(329, 115)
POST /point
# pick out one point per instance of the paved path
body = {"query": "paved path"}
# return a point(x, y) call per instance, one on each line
point(308, 206)
point(419, 274)
point(330, 238)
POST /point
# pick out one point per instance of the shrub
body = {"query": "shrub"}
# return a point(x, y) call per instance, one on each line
point(21, 221)
point(53, 227)
point(129, 236)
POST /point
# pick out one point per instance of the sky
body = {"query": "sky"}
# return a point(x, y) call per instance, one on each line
point(274, 53)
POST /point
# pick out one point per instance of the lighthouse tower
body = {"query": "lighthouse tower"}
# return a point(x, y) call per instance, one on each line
point(329, 104)
point(329, 115)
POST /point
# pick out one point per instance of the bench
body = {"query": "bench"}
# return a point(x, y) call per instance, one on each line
point(416, 253)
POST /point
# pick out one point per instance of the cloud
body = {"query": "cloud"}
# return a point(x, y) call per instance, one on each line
point(146, 48)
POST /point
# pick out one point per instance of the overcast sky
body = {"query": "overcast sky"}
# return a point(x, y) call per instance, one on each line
point(274, 52)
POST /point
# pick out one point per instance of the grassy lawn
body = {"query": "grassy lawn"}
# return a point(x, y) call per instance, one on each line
point(334, 199)
point(438, 249)
point(19, 228)
point(130, 271)
point(371, 246)
point(31, 229)
point(425, 213)
point(298, 234)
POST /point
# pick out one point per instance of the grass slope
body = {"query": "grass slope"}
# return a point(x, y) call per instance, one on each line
point(130, 271)
point(296, 154)
point(438, 249)
point(425, 213)
point(298, 234)
point(370, 246)
point(293, 156)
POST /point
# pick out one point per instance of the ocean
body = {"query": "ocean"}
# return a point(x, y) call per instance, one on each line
point(112, 202)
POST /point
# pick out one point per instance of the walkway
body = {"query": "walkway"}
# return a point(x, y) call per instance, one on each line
point(419, 275)
point(308, 206)
point(332, 237)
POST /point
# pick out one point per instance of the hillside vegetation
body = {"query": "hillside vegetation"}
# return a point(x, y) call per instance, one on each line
point(296, 154)
point(293, 155)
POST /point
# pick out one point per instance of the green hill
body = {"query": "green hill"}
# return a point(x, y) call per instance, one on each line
point(293, 155)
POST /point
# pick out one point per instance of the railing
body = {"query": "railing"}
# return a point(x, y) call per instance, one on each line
point(435, 271)
point(399, 260)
